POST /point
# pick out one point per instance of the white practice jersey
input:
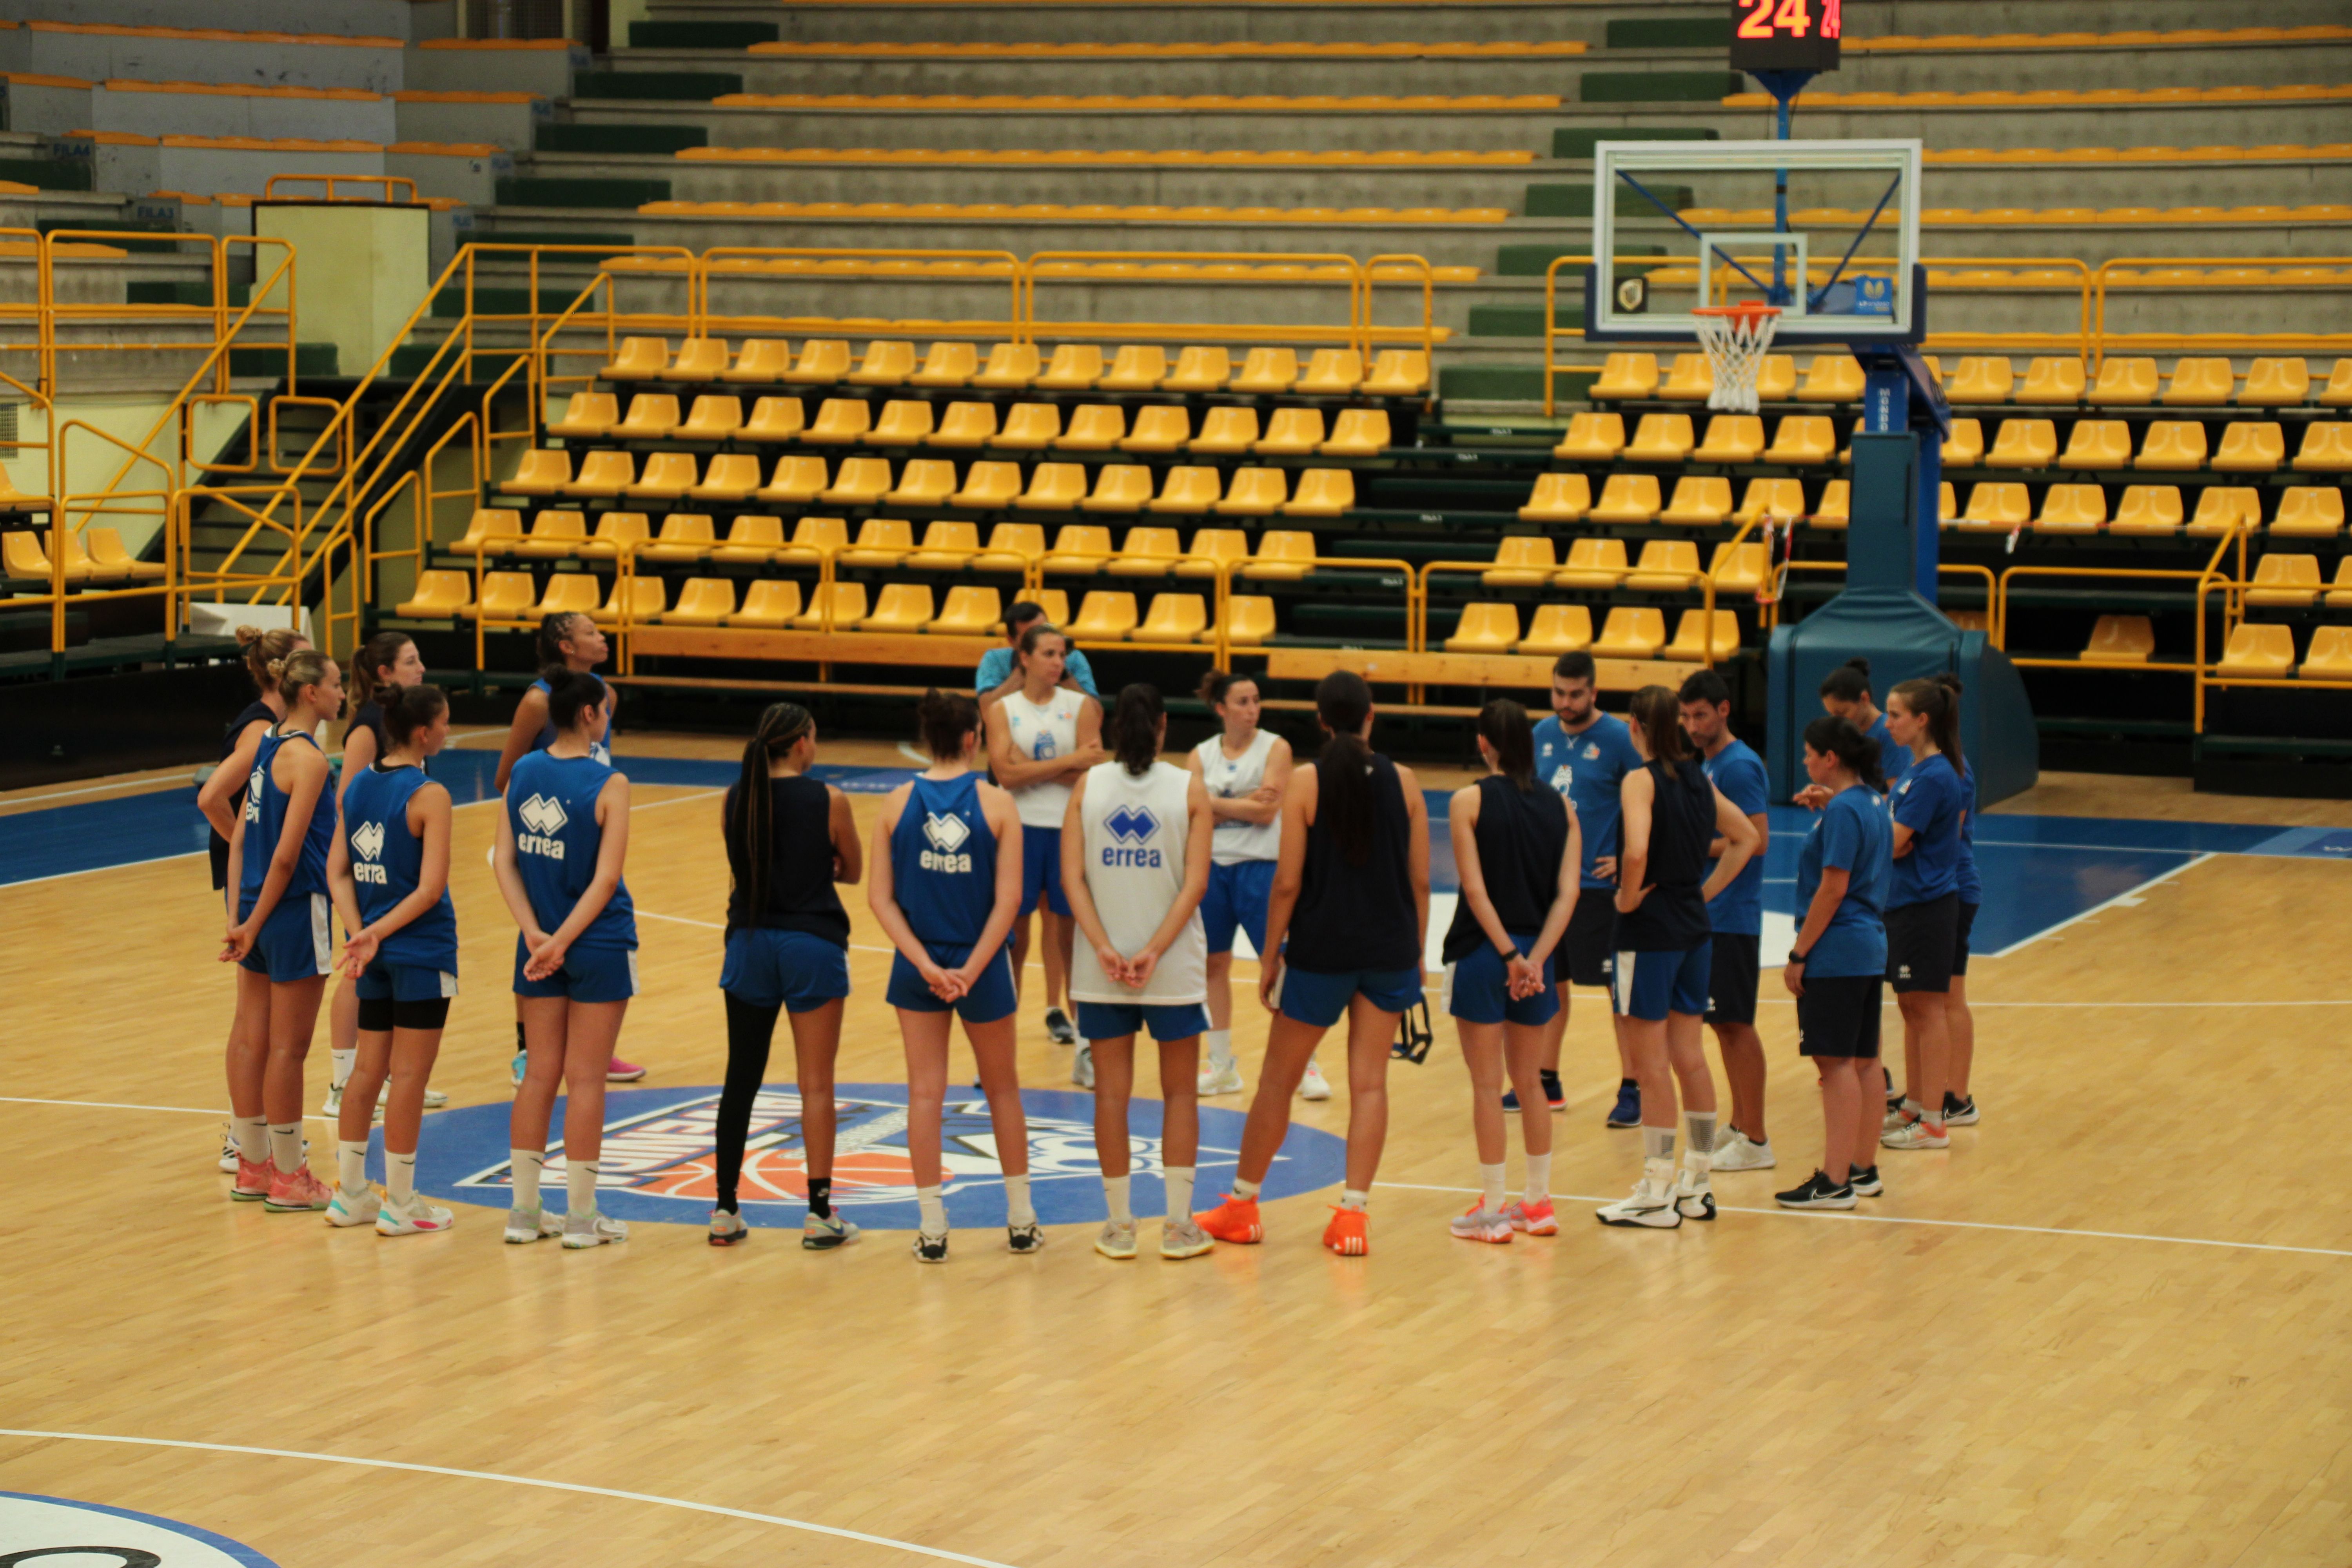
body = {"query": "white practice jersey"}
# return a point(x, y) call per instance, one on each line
point(1135, 832)
point(1230, 778)
point(1043, 730)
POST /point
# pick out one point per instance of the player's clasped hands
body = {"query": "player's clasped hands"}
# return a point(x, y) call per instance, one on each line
point(237, 943)
point(1526, 979)
point(358, 953)
point(546, 954)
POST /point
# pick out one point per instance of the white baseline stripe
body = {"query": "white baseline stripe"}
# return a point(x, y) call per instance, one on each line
point(2131, 892)
point(111, 1105)
point(573, 1487)
point(1946, 1224)
point(86, 871)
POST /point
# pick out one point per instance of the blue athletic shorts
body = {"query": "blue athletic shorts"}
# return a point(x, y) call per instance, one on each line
point(1478, 988)
point(293, 943)
point(1166, 1020)
point(1236, 897)
point(990, 998)
point(1322, 1000)
point(1649, 986)
point(1041, 870)
point(789, 969)
point(384, 982)
point(589, 974)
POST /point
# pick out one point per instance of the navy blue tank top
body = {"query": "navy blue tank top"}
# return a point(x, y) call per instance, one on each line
point(943, 861)
point(386, 860)
point(265, 821)
point(552, 808)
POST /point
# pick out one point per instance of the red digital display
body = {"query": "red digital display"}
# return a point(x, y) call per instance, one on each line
point(1785, 35)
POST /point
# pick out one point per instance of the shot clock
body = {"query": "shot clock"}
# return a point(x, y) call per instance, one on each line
point(1785, 35)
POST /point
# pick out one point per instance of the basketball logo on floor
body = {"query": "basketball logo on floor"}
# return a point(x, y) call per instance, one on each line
point(660, 1157)
point(36, 1528)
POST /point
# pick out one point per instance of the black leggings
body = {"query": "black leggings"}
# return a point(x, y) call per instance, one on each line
point(750, 1032)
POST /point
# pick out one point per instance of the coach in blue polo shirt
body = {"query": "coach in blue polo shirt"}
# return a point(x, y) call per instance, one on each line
point(1737, 916)
point(998, 674)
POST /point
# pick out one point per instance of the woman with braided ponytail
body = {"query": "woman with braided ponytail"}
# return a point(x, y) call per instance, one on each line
point(789, 840)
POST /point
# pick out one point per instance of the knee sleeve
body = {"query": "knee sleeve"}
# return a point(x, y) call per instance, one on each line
point(376, 1015)
point(430, 1013)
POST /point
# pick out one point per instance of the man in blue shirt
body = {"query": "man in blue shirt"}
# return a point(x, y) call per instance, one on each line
point(1585, 755)
point(1737, 918)
point(998, 675)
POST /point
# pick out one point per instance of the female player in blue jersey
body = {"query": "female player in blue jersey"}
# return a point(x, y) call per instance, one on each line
point(1959, 1022)
point(561, 841)
point(1923, 909)
point(947, 885)
point(278, 863)
point(390, 873)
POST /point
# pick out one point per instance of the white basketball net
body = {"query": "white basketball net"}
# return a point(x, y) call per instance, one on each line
point(1735, 338)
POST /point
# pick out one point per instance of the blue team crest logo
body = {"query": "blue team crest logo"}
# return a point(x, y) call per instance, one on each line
point(1592, 751)
point(1044, 749)
point(946, 834)
point(660, 1148)
point(1132, 824)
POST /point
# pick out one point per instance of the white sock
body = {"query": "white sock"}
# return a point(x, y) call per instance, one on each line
point(579, 1185)
point(252, 1138)
point(1115, 1192)
point(1492, 1180)
point(1018, 1209)
point(1245, 1191)
point(525, 1165)
point(351, 1165)
point(1349, 1198)
point(342, 1070)
point(400, 1176)
point(1539, 1180)
point(1698, 1142)
point(935, 1211)
point(1178, 1180)
point(286, 1146)
point(1221, 1046)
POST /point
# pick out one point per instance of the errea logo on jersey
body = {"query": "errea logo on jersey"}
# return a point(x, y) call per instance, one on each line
point(1134, 827)
point(367, 841)
point(947, 835)
point(545, 818)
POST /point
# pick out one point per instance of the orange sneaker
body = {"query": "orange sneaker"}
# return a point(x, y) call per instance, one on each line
point(1534, 1219)
point(253, 1182)
point(1346, 1232)
point(1234, 1220)
point(297, 1191)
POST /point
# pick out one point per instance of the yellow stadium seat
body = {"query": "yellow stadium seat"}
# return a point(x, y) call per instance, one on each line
point(775, 419)
point(2337, 393)
point(1659, 439)
point(1699, 502)
point(1221, 545)
point(812, 537)
point(1689, 379)
point(1199, 368)
point(2275, 384)
point(647, 599)
point(947, 364)
point(731, 477)
point(989, 487)
point(479, 538)
point(2250, 447)
point(609, 474)
point(1249, 620)
point(2124, 384)
point(1776, 378)
point(1010, 366)
point(1054, 486)
point(1104, 616)
point(2152, 509)
point(2053, 381)
point(1737, 568)
point(1073, 368)
point(1189, 490)
point(1521, 561)
point(685, 536)
point(1266, 371)
point(2339, 594)
point(1120, 486)
point(1331, 373)
point(967, 427)
point(1965, 448)
point(109, 559)
point(1557, 498)
point(841, 422)
point(568, 594)
point(1255, 493)
point(922, 482)
point(1802, 438)
point(588, 415)
point(1592, 438)
point(1094, 427)
point(2121, 639)
point(902, 607)
point(769, 604)
point(2200, 384)
point(1173, 619)
point(859, 481)
point(2326, 449)
point(1628, 498)
point(2309, 511)
point(752, 540)
point(1158, 428)
point(1011, 547)
point(701, 602)
point(1322, 492)
point(439, 594)
point(652, 416)
point(842, 603)
point(1054, 602)
point(2285, 582)
point(1147, 553)
point(1282, 556)
point(1593, 563)
point(1782, 500)
point(640, 359)
point(1694, 644)
point(970, 612)
point(506, 597)
point(2221, 507)
point(1135, 367)
point(2172, 445)
point(886, 364)
point(1666, 566)
point(1982, 378)
point(1359, 433)
point(2023, 444)
point(1226, 432)
point(1831, 378)
point(823, 361)
point(543, 472)
point(1631, 632)
point(760, 359)
point(904, 423)
point(2096, 444)
point(553, 534)
point(2071, 509)
point(2258, 652)
point(699, 359)
point(1557, 629)
point(947, 547)
point(79, 566)
point(1996, 505)
point(1031, 427)
point(1626, 375)
point(713, 418)
point(2329, 657)
point(1730, 438)
point(1398, 373)
point(795, 482)
point(1485, 627)
point(1292, 433)
point(1080, 549)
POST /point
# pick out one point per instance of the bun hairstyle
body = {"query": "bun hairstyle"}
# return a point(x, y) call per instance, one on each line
point(265, 652)
point(1849, 682)
point(410, 709)
point(378, 653)
point(303, 667)
point(1135, 728)
point(570, 694)
point(1504, 725)
point(1936, 699)
point(554, 631)
point(1343, 772)
point(1657, 713)
point(1218, 683)
point(1855, 752)
point(942, 719)
point(751, 824)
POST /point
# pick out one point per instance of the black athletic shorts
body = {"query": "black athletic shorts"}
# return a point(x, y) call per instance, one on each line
point(1588, 948)
point(1838, 1015)
point(1920, 940)
point(1731, 983)
point(1960, 947)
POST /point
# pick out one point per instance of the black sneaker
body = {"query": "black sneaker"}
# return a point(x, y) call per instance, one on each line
point(931, 1248)
point(1627, 1112)
point(1818, 1193)
point(1058, 1027)
point(1958, 1112)
point(1863, 1180)
point(1024, 1238)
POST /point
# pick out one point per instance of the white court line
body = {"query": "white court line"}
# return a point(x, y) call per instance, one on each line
point(173, 783)
point(1945, 1224)
point(110, 1105)
point(2131, 892)
point(574, 1487)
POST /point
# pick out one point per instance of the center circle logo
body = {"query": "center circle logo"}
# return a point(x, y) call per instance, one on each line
point(660, 1157)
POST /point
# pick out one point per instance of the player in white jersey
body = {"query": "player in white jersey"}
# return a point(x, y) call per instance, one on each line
point(1135, 862)
point(1040, 739)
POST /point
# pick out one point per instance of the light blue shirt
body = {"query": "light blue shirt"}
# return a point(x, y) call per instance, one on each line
point(1587, 767)
point(996, 668)
point(1738, 772)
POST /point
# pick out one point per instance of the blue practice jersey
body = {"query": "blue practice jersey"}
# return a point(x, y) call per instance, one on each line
point(1971, 887)
point(1893, 760)
point(552, 808)
point(1739, 774)
point(1587, 767)
point(597, 749)
point(1851, 835)
point(264, 819)
point(943, 861)
point(386, 860)
point(1930, 802)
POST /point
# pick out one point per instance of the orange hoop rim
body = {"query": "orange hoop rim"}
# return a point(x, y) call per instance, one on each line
point(1748, 309)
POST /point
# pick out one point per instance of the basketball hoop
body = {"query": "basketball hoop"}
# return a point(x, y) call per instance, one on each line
point(1735, 338)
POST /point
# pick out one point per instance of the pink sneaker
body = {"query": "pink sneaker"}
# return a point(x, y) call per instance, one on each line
point(253, 1182)
point(1539, 1220)
point(619, 1071)
point(298, 1192)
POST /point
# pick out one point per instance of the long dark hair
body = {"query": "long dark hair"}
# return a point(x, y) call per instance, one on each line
point(1936, 699)
point(1658, 714)
point(379, 653)
point(1343, 772)
point(408, 708)
point(943, 718)
point(1135, 728)
point(554, 632)
point(1834, 737)
point(1849, 682)
point(569, 693)
point(1218, 683)
point(1503, 724)
point(750, 822)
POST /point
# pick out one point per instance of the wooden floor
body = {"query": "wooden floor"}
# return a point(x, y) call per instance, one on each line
point(2019, 1358)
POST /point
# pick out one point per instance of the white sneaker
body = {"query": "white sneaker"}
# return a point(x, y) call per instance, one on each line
point(334, 1105)
point(1081, 1066)
point(1314, 1086)
point(1738, 1151)
point(435, 1099)
point(1117, 1241)
point(413, 1218)
point(1479, 1223)
point(1693, 1195)
point(527, 1225)
point(1217, 1077)
point(1653, 1204)
point(1895, 1115)
point(1915, 1134)
point(590, 1228)
point(351, 1208)
point(228, 1150)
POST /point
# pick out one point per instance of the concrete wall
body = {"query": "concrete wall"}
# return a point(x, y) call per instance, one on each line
point(470, 177)
point(100, 56)
point(463, 65)
point(411, 20)
point(49, 109)
point(93, 461)
point(362, 270)
point(507, 125)
point(146, 113)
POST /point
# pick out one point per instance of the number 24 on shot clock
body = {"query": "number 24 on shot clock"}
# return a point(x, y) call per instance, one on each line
point(1785, 35)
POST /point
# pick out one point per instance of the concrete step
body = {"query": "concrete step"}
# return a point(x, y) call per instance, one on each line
point(411, 20)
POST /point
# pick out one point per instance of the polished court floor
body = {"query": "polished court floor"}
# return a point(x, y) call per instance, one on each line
point(2106, 1327)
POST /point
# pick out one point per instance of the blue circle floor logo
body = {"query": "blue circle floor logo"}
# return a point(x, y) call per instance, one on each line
point(659, 1157)
point(42, 1530)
